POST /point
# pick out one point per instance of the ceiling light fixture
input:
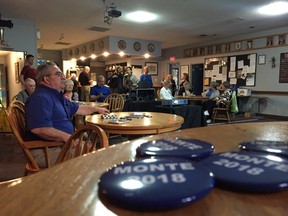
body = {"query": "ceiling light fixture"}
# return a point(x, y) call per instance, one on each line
point(106, 54)
point(141, 16)
point(274, 9)
point(93, 56)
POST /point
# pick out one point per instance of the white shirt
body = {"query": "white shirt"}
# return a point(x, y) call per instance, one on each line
point(165, 94)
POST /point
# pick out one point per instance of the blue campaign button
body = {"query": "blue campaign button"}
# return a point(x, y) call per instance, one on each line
point(174, 147)
point(272, 147)
point(155, 184)
point(248, 171)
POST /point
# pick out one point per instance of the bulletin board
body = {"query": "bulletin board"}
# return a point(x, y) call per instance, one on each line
point(239, 70)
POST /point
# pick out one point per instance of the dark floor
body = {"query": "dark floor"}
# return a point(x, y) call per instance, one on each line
point(12, 159)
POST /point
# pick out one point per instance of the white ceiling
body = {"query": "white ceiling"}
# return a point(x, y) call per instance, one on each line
point(181, 22)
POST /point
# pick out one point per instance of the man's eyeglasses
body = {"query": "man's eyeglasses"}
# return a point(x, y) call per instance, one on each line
point(59, 74)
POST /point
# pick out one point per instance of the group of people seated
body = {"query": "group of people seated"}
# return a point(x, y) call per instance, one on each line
point(216, 98)
point(168, 91)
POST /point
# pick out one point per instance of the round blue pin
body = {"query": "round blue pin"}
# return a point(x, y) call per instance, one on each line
point(248, 171)
point(181, 148)
point(155, 184)
point(272, 147)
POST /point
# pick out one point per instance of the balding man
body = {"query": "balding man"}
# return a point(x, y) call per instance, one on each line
point(100, 91)
point(49, 113)
point(85, 82)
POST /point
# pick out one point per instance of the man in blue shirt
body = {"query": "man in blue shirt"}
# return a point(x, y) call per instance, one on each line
point(100, 91)
point(146, 78)
point(49, 114)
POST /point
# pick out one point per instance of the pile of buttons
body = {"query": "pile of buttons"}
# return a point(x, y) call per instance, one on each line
point(171, 173)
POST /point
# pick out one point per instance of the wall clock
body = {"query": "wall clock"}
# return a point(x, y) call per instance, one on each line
point(122, 45)
point(151, 47)
point(137, 46)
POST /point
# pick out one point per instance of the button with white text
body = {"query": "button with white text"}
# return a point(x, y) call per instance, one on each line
point(155, 184)
point(272, 147)
point(248, 171)
point(174, 147)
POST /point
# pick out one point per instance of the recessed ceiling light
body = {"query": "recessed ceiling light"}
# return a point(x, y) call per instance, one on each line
point(141, 16)
point(275, 8)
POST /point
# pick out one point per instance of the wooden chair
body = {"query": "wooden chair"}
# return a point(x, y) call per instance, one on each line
point(16, 118)
point(18, 103)
point(116, 104)
point(115, 101)
point(86, 139)
point(222, 113)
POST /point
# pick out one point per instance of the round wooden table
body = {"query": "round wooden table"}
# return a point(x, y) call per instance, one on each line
point(151, 123)
point(71, 188)
point(79, 119)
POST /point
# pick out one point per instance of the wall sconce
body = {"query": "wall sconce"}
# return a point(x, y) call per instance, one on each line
point(273, 60)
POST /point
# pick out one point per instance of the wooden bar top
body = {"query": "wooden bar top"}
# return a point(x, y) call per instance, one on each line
point(71, 188)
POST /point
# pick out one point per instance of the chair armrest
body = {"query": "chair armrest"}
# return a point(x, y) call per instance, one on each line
point(42, 144)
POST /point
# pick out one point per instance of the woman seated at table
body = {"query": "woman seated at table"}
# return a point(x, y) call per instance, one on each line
point(212, 91)
point(68, 89)
point(186, 90)
point(222, 100)
point(165, 92)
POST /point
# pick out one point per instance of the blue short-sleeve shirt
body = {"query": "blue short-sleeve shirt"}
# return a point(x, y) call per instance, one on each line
point(97, 90)
point(46, 107)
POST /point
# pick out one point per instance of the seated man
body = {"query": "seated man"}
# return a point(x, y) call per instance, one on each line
point(165, 92)
point(49, 113)
point(100, 91)
point(222, 100)
point(30, 86)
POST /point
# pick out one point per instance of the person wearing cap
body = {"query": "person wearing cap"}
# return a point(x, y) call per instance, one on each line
point(212, 91)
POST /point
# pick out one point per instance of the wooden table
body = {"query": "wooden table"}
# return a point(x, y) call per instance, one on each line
point(80, 119)
point(95, 104)
point(71, 188)
point(155, 124)
point(193, 99)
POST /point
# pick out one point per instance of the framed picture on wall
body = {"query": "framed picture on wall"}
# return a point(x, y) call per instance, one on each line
point(270, 41)
point(184, 69)
point(282, 39)
point(261, 59)
point(153, 67)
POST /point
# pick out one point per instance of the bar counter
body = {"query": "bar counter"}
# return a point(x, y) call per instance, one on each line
point(71, 188)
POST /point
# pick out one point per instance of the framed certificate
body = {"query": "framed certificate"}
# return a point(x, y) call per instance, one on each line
point(261, 59)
